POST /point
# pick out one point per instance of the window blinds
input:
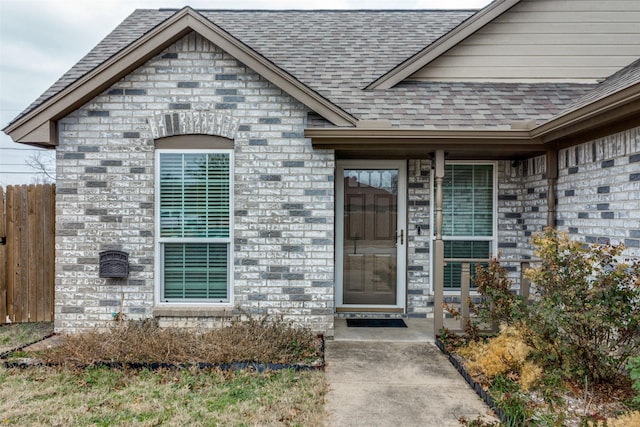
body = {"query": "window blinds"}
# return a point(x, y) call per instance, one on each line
point(194, 201)
point(468, 211)
point(194, 195)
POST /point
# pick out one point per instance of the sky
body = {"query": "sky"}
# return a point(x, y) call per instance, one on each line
point(41, 39)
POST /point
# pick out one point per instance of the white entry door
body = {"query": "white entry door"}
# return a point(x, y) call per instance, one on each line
point(371, 235)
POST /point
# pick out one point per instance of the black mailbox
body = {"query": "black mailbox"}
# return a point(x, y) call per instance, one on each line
point(114, 264)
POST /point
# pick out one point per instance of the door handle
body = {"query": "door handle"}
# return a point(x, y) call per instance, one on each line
point(401, 238)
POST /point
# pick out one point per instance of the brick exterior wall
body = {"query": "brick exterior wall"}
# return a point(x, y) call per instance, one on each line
point(419, 295)
point(522, 205)
point(598, 196)
point(283, 195)
point(599, 191)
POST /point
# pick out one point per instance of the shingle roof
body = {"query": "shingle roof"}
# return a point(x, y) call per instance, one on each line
point(628, 76)
point(338, 53)
point(131, 29)
point(460, 105)
point(338, 49)
point(323, 49)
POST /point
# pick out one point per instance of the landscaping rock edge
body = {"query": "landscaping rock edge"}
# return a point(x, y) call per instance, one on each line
point(6, 354)
point(234, 366)
point(480, 391)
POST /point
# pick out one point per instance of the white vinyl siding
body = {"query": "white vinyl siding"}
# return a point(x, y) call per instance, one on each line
point(468, 210)
point(546, 40)
point(194, 227)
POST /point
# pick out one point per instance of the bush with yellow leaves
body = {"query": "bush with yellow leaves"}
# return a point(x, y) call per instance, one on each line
point(506, 355)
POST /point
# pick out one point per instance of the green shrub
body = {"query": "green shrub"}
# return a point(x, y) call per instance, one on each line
point(584, 317)
point(587, 311)
point(634, 373)
point(500, 304)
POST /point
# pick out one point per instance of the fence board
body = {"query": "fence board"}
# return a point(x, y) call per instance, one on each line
point(3, 260)
point(29, 255)
point(32, 243)
point(49, 245)
point(12, 250)
point(21, 290)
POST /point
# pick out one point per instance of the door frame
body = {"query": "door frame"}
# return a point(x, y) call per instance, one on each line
point(401, 253)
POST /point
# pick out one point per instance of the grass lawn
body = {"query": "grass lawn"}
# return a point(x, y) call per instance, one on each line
point(72, 395)
point(104, 397)
point(16, 335)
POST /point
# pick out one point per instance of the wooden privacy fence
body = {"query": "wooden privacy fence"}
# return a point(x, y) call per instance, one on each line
point(27, 253)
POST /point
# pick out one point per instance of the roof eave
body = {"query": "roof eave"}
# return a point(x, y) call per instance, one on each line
point(96, 81)
point(37, 127)
point(442, 45)
point(614, 113)
point(618, 111)
point(408, 142)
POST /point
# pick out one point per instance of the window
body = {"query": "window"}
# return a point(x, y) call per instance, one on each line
point(194, 225)
point(468, 216)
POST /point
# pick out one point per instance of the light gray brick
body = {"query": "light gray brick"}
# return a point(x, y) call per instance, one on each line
point(268, 117)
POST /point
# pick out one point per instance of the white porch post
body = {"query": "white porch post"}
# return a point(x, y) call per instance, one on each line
point(438, 247)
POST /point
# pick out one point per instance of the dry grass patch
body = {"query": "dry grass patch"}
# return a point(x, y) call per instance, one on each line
point(77, 391)
point(252, 340)
point(104, 397)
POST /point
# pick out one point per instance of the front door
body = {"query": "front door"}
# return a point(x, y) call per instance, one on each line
point(371, 235)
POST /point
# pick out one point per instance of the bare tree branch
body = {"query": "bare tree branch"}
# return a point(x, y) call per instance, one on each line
point(43, 163)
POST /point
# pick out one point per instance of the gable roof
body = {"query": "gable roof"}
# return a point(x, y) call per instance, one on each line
point(443, 44)
point(123, 50)
point(326, 59)
point(322, 48)
point(316, 51)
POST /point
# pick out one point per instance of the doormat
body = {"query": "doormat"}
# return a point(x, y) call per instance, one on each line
point(376, 323)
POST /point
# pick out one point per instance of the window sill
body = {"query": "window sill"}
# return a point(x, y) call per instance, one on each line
point(193, 312)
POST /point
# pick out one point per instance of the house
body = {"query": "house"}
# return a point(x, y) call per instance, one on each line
point(316, 164)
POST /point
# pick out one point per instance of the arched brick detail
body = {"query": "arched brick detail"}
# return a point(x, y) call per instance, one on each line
point(213, 123)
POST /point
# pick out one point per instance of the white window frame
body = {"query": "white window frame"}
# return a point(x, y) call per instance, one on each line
point(494, 240)
point(160, 241)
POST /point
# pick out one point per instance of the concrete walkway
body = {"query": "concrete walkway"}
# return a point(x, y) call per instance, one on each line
point(395, 383)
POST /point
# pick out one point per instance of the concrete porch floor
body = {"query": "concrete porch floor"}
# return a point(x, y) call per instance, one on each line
point(417, 330)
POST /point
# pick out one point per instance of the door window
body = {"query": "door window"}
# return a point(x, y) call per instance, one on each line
point(370, 224)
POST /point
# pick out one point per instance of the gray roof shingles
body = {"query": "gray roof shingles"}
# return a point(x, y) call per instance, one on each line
point(131, 29)
point(338, 53)
point(628, 76)
point(441, 105)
